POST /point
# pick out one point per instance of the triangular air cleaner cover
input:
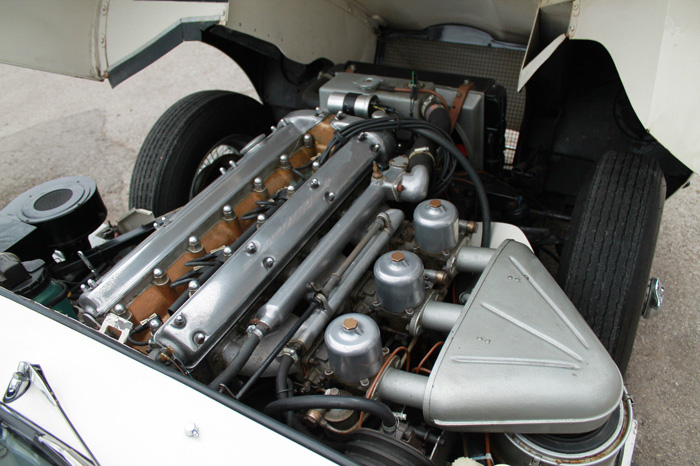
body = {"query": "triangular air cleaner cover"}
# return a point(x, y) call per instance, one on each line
point(520, 357)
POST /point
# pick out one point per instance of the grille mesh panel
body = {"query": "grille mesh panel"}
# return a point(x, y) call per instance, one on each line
point(502, 65)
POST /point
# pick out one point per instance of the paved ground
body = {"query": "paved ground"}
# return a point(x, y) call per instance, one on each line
point(52, 126)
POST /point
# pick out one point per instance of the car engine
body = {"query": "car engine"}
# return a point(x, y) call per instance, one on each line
point(331, 279)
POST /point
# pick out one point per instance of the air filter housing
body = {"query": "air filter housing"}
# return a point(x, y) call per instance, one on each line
point(64, 212)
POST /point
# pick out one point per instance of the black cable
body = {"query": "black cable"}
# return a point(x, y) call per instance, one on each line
point(138, 329)
point(354, 403)
point(250, 342)
point(199, 263)
point(189, 276)
point(273, 354)
point(133, 342)
point(473, 176)
point(436, 135)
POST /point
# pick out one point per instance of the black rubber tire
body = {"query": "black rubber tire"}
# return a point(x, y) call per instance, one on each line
point(176, 145)
point(606, 261)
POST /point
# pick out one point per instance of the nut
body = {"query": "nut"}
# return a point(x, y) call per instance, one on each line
point(350, 324)
point(397, 256)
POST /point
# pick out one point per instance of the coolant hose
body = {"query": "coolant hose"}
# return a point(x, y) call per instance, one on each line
point(271, 357)
point(283, 391)
point(355, 403)
point(286, 363)
point(250, 342)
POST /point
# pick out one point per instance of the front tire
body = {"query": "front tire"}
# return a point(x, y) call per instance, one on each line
point(607, 258)
point(168, 169)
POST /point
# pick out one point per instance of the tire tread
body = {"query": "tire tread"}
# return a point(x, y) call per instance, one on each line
point(607, 259)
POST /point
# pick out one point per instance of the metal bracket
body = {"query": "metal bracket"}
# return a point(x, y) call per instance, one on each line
point(654, 298)
point(123, 326)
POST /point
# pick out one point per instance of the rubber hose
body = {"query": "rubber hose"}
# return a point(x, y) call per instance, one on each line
point(249, 344)
point(286, 363)
point(283, 385)
point(271, 357)
point(355, 403)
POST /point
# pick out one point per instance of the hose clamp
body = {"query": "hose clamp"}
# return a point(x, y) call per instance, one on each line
point(425, 150)
point(254, 330)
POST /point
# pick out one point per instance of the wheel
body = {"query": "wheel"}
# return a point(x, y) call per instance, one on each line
point(606, 261)
point(188, 144)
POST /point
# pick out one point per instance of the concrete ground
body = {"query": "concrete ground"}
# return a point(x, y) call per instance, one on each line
point(53, 126)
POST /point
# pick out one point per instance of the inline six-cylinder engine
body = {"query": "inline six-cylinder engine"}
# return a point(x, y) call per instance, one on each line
point(329, 272)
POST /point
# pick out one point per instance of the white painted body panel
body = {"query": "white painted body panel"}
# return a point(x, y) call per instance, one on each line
point(655, 44)
point(87, 38)
point(127, 412)
point(499, 233)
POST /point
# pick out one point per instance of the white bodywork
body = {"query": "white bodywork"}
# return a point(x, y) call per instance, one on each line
point(110, 398)
point(654, 43)
point(87, 38)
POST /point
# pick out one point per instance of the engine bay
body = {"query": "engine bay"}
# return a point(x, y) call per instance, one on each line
point(332, 279)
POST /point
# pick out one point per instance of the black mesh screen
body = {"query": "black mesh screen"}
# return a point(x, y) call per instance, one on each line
point(53, 199)
point(502, 65)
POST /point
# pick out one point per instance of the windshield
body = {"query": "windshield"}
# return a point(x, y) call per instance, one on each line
point(15, 450)
point(23, 443)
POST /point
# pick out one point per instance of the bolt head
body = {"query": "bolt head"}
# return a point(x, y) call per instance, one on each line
point(362, 136)
point(157, 273)
point(257, 181)
point(251, 248)
point(308, 140)
point(268, 262)
point(191, 430)
point(350, 324)
point(179, 321)
point(339, 116)
point(397, 256)
point(228, 252)
point(154, 324)
point(262, 218)
point(375, 148)
point(119, 310)
point(314, 183)
point(227, 209)
point(193, 244)
point(330, 196)
point(199, 338)
point(193, 285)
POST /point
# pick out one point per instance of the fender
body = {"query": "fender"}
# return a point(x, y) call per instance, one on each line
point(653, 44)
